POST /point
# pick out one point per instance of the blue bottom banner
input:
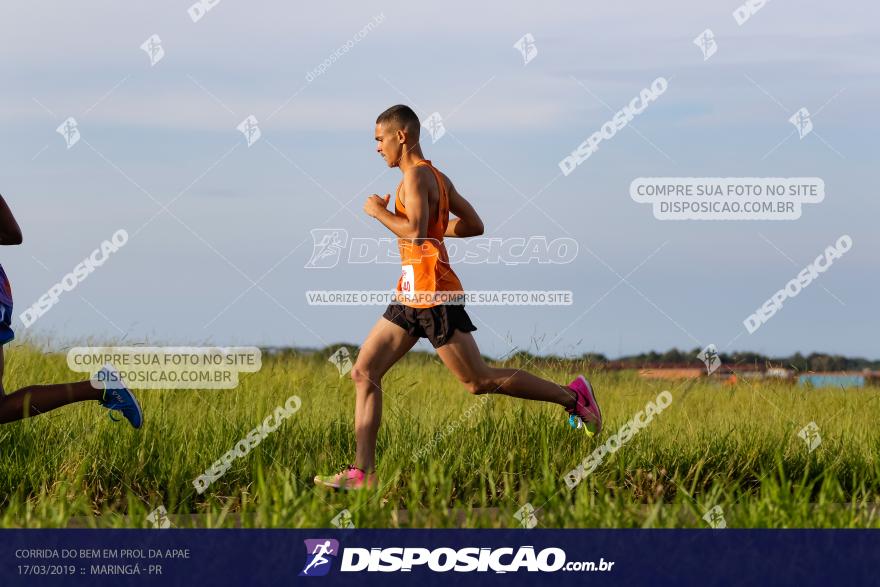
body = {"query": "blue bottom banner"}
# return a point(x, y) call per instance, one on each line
point(434, 557)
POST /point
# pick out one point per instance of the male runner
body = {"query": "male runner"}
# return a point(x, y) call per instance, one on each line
point(420, 220)
point(38, 399)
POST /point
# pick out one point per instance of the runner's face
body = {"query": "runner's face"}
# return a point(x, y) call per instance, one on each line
point(388, 144)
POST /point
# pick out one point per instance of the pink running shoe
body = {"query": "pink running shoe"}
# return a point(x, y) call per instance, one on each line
point(348, 479)
point(586, 413)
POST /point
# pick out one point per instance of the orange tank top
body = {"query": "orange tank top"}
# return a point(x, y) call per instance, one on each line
point(427, 278)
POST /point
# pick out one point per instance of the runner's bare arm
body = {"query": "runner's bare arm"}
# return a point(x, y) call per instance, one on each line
point(415, 224)
point(10, 233)
point(468, 222)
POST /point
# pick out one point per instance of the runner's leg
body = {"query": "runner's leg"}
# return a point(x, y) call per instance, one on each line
point(385, 345)
point(462, 357)
point(38, 399)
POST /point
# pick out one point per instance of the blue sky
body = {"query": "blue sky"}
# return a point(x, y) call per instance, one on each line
point(168, 134)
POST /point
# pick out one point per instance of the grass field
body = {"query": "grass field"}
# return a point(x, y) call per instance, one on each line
point(446, 458)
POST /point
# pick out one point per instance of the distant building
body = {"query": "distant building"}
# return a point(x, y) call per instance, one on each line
point(832, 379)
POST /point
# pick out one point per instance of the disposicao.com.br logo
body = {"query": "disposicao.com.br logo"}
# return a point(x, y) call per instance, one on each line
point(442, 560)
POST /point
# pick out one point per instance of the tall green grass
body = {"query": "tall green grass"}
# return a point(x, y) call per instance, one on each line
point(446, 458)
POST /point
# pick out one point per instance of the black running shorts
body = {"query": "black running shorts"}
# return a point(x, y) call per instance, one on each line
point(437, 324)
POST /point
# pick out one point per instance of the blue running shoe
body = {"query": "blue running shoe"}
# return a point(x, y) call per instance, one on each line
point(118, 398)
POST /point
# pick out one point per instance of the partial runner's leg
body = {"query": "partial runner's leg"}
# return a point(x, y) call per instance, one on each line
point(463, 358)
point(38, 399)
point(385, 345)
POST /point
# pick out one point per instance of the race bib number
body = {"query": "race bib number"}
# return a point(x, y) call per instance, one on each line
point(408, 281)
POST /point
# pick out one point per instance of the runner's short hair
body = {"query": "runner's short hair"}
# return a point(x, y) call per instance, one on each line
point(401, 116)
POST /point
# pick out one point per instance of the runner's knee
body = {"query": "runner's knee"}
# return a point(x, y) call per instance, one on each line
point(479, 385)
point(362, 375)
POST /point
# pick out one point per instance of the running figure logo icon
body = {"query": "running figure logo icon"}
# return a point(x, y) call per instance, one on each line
point(434, 124)
point(810, 434)
point(342, 359)
point(526, 46)
point(802, 122)
point(317, 552)
point(153, 48)
point(706, 42)
point(70, 131)
point(710, 358)
point(250, 128)
point(327, 247)
point(526, 516)
point(715, 518)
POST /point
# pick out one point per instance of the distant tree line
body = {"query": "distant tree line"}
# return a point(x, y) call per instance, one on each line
point(671, 358)
point(797, 361)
